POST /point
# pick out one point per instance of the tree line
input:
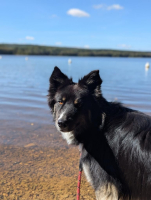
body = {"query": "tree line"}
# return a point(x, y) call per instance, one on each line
point(17, 49)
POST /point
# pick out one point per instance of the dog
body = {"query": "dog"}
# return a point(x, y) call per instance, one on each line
point(116, 140)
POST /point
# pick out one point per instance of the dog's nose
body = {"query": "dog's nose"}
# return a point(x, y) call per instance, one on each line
point(61, 123)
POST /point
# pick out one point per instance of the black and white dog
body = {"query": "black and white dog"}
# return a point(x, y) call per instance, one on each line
point(116, 153)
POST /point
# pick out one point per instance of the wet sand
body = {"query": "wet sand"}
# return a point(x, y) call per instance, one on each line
point(36, 163)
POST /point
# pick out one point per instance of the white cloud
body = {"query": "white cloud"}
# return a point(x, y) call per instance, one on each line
point(86, 46)
point(29, 38)
point(105, 7)
point(115, 7)
point(77, 13)
point(98, 6)
point(125, 46)
point(59, 43)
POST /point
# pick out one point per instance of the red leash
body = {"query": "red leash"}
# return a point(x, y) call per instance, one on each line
point(78, 186)
point(79, 180)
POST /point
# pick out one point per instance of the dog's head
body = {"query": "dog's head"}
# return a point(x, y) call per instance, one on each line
point(74, 105)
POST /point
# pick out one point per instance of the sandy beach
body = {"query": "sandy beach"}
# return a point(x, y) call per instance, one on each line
point(37, 164)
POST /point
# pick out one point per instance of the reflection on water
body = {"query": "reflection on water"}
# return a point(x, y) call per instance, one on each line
point(29, 142)
point(146, 72)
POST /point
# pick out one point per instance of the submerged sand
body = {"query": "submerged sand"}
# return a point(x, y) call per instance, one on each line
point(37, 164)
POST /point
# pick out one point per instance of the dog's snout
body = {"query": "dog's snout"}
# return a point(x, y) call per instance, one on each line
point(62, 123)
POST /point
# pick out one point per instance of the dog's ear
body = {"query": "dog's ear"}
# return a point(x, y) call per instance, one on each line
point(57, 78)
point(92, 80)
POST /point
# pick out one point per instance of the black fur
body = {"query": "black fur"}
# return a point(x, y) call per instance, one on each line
point(116, 140)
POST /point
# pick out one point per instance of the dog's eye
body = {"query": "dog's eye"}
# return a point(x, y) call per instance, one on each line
point(77, 103)
point(60, 102)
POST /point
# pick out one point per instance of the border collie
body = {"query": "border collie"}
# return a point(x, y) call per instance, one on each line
point(116, 141)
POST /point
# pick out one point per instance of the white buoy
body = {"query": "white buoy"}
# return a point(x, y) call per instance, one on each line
point(0, 57)
point(69, 61)
point(147, 65)
point(26, 58)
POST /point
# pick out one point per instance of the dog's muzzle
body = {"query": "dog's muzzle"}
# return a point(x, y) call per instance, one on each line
point(62, 123)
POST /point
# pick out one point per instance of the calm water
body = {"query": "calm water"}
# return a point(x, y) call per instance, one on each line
point(24, 84)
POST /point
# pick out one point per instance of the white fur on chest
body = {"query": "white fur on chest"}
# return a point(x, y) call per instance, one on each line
point(68, 136)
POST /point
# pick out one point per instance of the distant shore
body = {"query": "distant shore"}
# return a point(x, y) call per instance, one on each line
point(21, 49)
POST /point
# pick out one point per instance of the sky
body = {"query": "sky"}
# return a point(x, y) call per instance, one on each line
point(94, 24)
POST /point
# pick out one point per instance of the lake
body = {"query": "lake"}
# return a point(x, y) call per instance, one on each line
point(30, 146)
point(24, 83)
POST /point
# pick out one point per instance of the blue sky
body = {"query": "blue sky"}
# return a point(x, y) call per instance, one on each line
point(107, 24)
